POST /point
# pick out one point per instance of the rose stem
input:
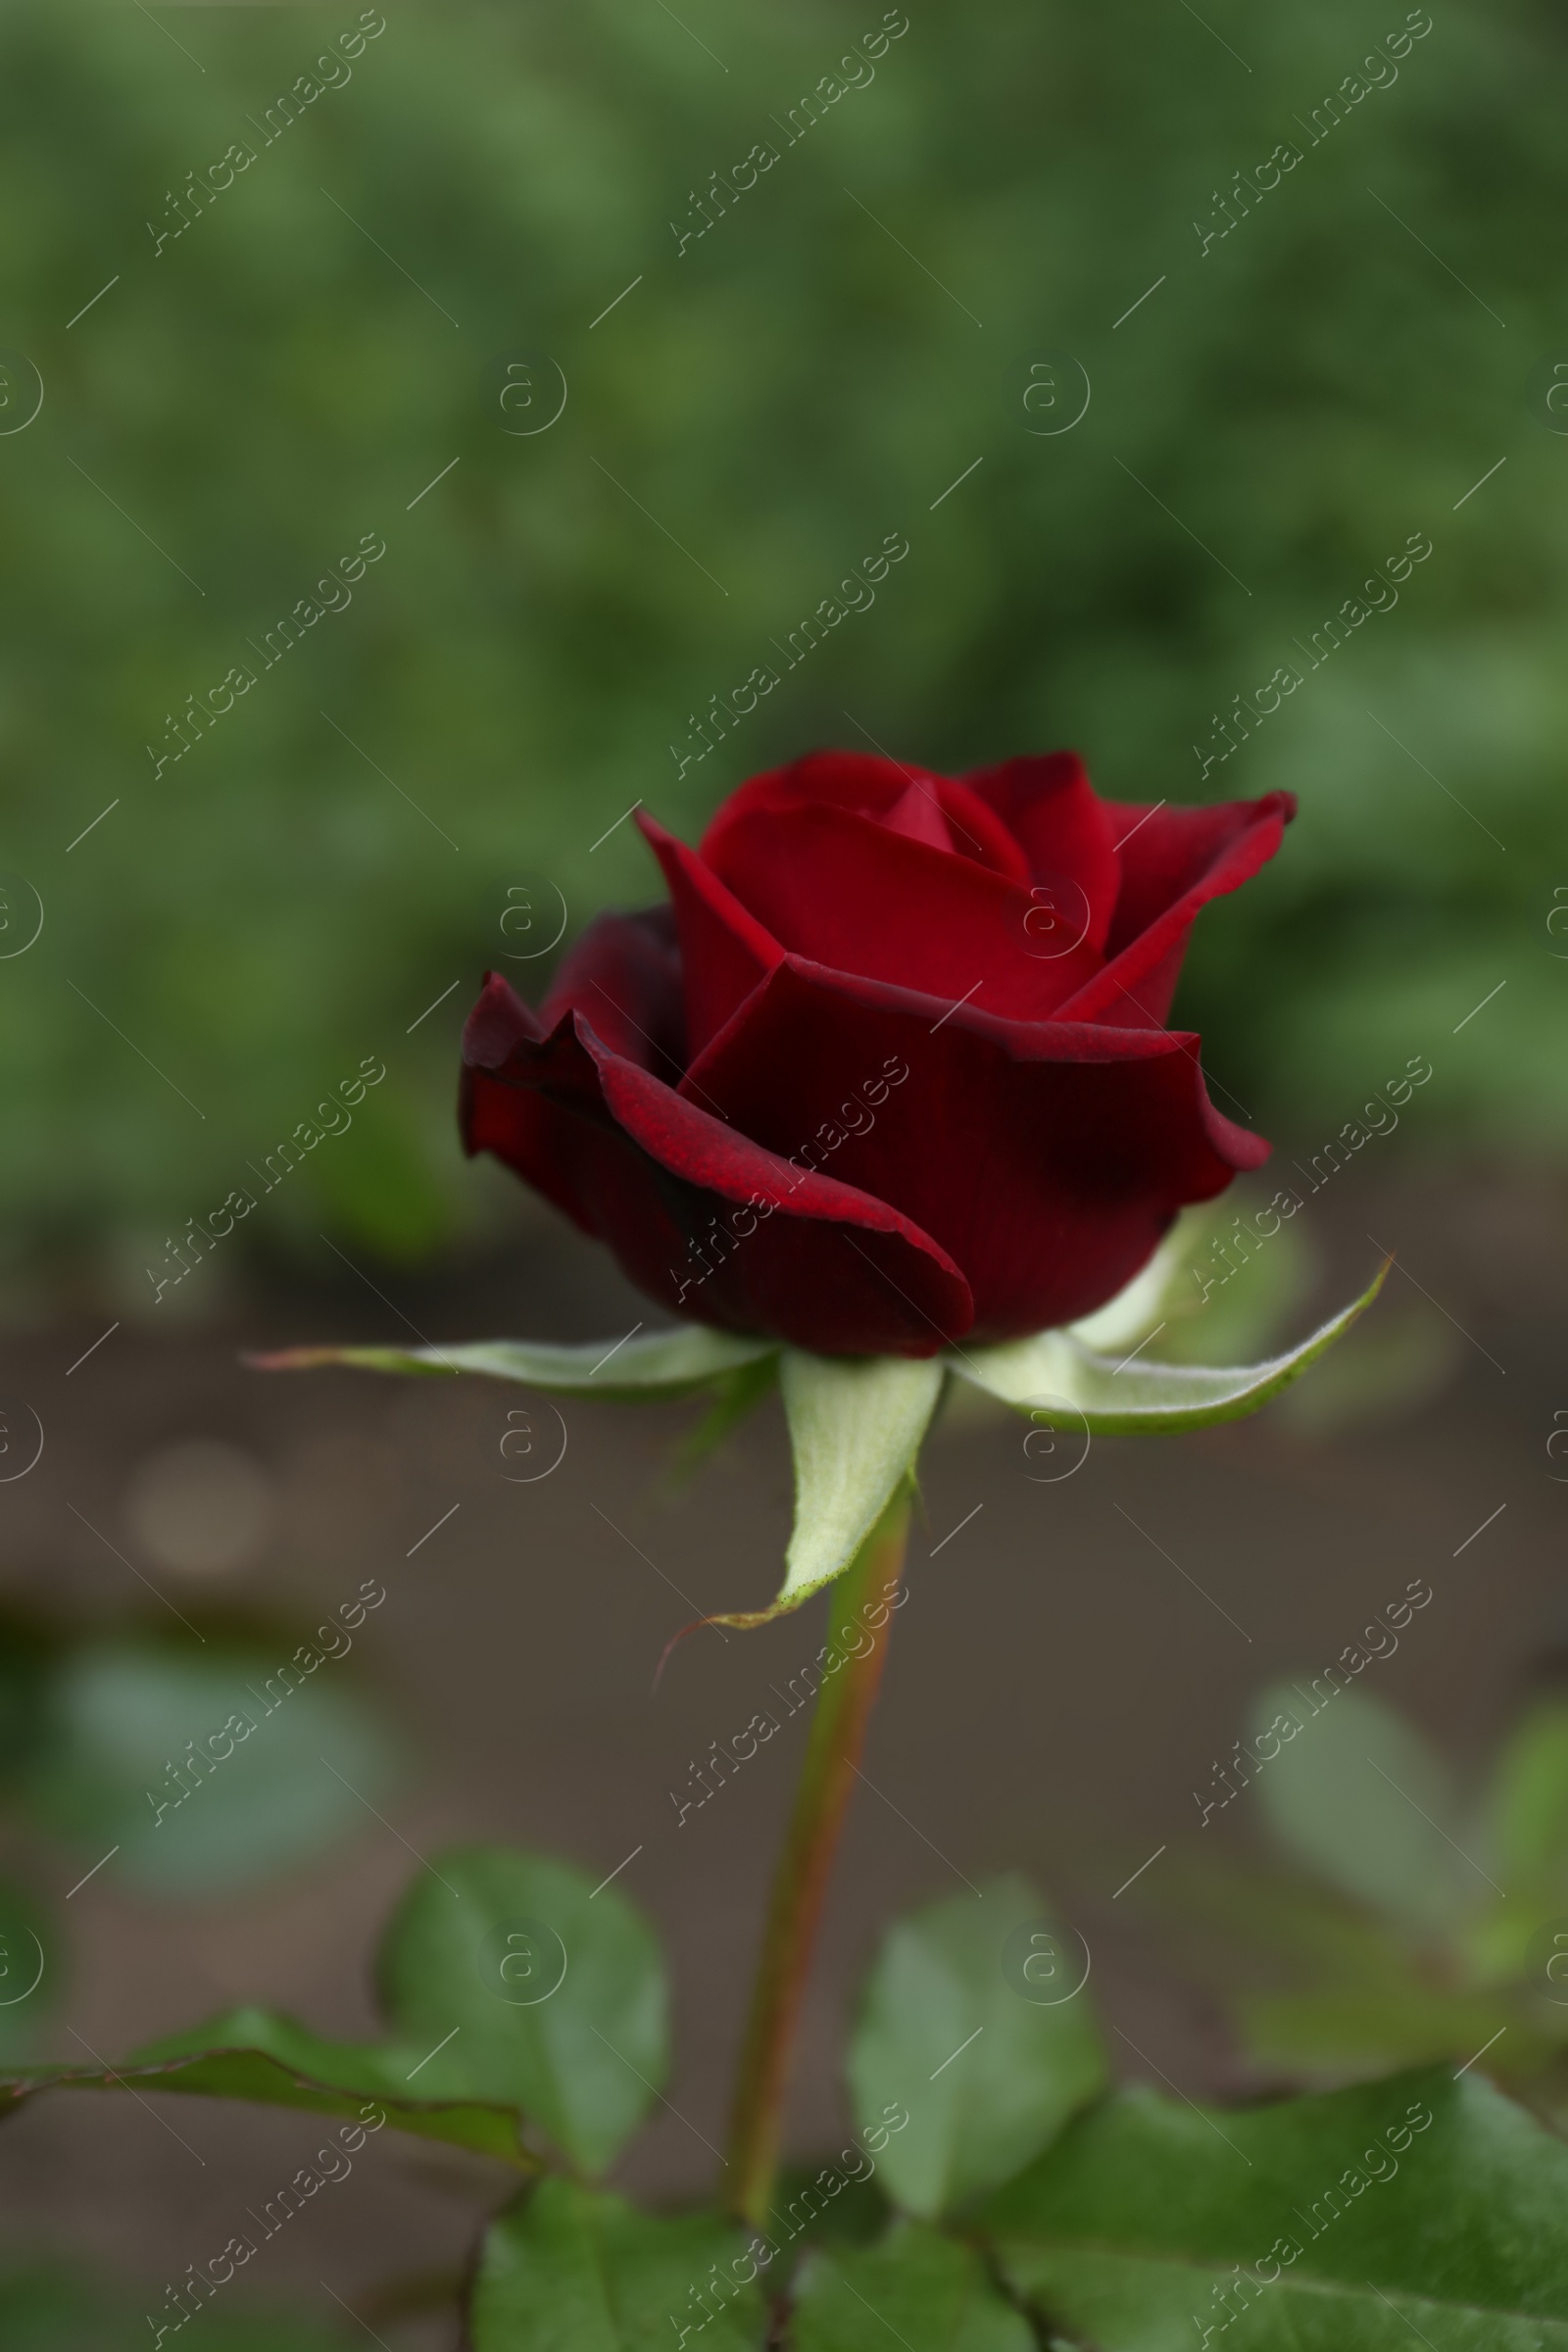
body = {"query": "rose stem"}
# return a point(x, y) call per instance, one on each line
point(800, 1882)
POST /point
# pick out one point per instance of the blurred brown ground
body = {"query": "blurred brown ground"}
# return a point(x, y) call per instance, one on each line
point(1055, 1688)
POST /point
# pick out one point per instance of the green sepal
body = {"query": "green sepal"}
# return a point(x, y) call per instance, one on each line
point(644, 1368)
point(856, 1424)
point(1139, 1397)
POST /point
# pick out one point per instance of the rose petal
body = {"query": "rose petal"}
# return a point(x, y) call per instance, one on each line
point(916, 813)
point(725, 951)
point(1066, 831)
point(1046, 1158)
point(624, 971)
point(673, 1191)
point(832, 885)
point(1173, 862)
point(875, 786)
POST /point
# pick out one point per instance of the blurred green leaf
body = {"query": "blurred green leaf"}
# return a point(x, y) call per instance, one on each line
point(145, 1750)
point(1528, 1805)
point(567, 2269)
point(555, 1992)
point(513, 1995)
point(928, 2294)
point(970, 2027)
point(1356, 1997)
point(1366, 2028)
point(1338, 2224)
point(1359, 1798)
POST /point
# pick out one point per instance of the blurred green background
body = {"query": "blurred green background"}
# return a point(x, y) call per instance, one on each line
point(754, 415)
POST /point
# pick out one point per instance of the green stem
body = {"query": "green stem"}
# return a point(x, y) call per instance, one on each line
point(800, 1882)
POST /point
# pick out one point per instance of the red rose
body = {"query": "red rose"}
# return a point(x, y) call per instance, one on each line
point(892, 1070)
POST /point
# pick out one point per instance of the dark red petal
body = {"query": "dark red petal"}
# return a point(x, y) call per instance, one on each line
point(673, 1190)
point(521, 1127)
point(916, 813)
point(876, 788)
point(1173, 862)
point(725, 951)
point(624, 973)
point(1046, 1158)
point(840, 889)
point(1065, 830)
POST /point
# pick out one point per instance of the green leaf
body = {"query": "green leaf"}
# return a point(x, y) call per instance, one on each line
point(567, 2269)
point(970, 2025)
point(833, 2205)
point(855, 1425)
point(513, 1995)
point(113, 1768)
point(1359, 1798)
point(1341, 2223)
point(583, 2060)
point(657, 1364)
point(924, 2290)
point(269, 2061)
point(1530, 1800)
point(1364, 2000)
point(1141, 1398)
point(1365, 2029)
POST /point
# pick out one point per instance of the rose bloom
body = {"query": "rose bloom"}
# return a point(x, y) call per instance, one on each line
point(891, 1070)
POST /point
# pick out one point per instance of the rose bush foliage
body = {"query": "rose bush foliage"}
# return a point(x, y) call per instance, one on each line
point(891, 1070)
